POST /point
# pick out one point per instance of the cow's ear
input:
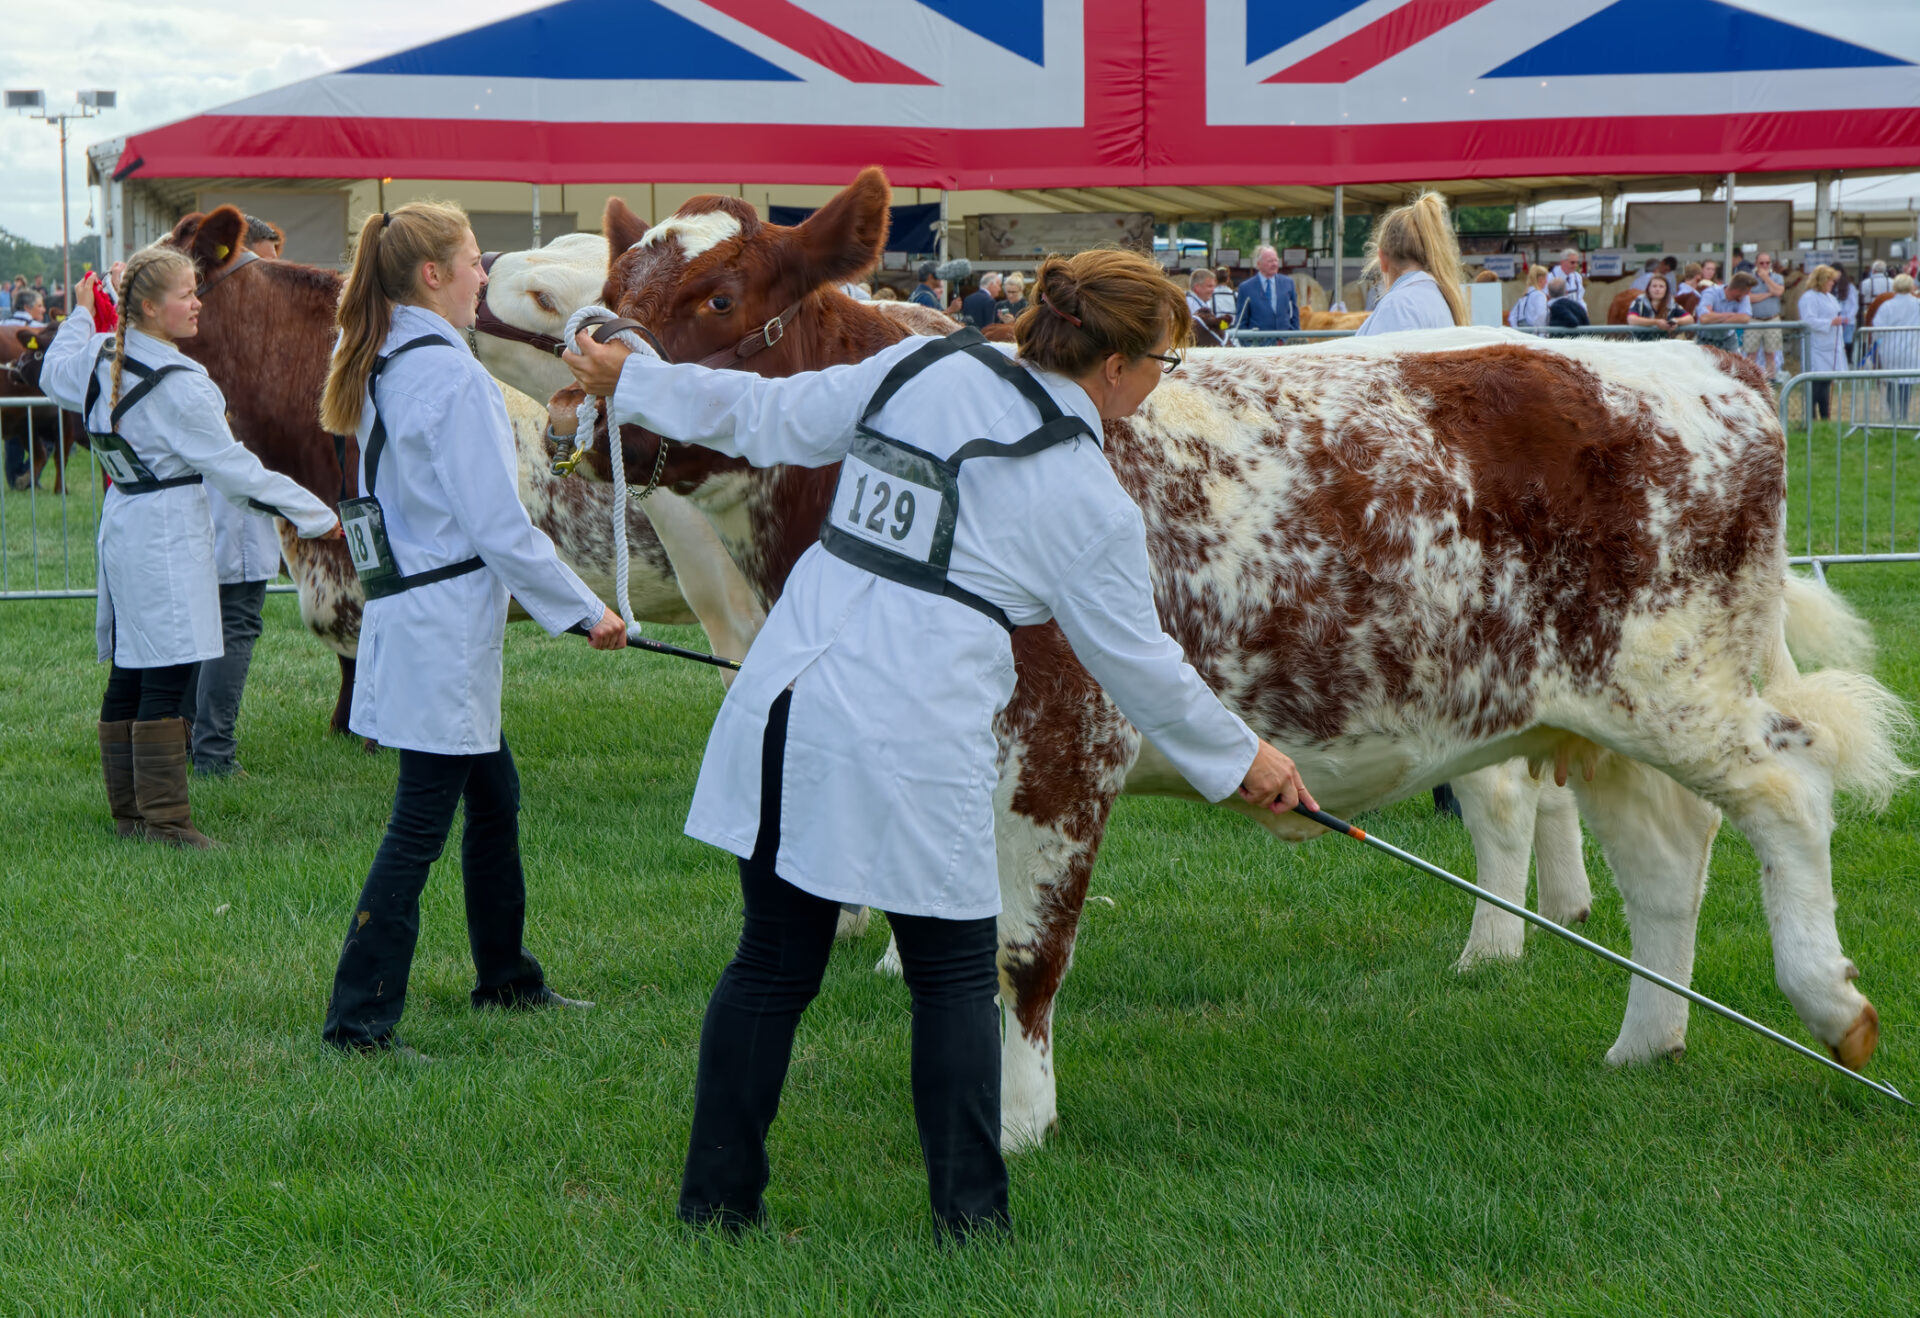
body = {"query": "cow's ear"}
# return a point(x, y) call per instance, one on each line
point(848, 234)
point(182, 235)
point(622, 228)
point(218, 239)
point(28, 339)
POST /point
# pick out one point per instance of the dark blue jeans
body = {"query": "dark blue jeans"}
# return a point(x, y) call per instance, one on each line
point(746, 1041)
point(370, 985)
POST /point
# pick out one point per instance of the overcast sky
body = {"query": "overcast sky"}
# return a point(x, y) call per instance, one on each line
point(172, 59)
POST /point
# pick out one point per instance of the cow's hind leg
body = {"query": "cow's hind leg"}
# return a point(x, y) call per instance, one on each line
point(343, 703)
point(1497, 805)
point(1565, 896)
point(1658, 838)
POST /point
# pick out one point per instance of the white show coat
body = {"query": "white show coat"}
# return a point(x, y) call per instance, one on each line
point(1530, 310)
point(887, 793)
point(429, 670)
point(246, 547)
point(1414, 302)
point(1825, 345)
point(159, 595)
point(1898, 352)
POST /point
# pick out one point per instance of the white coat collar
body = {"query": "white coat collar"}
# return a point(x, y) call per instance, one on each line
point(1411, 278)
point(410, 322)
point(150, 351)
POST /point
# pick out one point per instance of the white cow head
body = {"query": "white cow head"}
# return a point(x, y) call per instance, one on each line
point(536, 291)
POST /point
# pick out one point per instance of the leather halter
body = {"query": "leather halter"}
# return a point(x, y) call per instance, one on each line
point(495, 328)
point(765, 337)
point(244, 260)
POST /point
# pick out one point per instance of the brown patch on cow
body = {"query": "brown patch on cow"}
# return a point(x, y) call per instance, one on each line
point(1741, 369)
point(1873, 308)
point(1857, 1044)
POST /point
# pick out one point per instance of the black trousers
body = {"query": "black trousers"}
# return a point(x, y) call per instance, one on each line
point(747, 1040)
point(145, 694)
point(370, 985)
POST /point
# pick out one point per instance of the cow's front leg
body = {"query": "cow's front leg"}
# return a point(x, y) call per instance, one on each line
point(1560, 866)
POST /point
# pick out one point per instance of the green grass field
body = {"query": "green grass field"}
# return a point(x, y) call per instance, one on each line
point(1276, 1094)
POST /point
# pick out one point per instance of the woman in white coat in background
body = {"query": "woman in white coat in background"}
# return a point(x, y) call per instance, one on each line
point(1419, 261)
point(158, 425)
point(844, 767)
point(1827, 321)
point(439, 538)
point(1898, 350)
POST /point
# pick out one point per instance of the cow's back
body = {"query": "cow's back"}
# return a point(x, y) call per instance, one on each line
point(1341, 532)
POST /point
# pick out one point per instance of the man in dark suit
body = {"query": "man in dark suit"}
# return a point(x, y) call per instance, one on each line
point(1267, 301)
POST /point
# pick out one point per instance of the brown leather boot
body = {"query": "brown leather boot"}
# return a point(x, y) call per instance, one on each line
point(160, 783)
point(116, 764)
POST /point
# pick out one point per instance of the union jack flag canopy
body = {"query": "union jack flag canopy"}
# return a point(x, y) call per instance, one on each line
point(964, 94)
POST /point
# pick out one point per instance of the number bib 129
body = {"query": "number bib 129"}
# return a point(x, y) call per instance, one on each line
point(897, 499)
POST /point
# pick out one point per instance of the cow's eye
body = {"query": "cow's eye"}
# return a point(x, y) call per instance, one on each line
point(720, 303)
point(545, 303)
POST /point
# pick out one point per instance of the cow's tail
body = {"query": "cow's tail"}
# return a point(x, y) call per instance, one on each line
point(1865, 724)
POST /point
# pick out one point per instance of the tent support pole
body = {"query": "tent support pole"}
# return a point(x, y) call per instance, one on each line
point(1823, 210)
point(941, 245)
point(1733, 255)
point(536, 215)
point(1339, 293)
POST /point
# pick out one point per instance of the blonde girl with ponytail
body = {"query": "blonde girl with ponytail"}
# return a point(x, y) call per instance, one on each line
point(1418, 257)
point(440, 539)
point(159, 429)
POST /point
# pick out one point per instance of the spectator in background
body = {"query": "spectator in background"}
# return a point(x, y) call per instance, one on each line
point(1575, 281)
point(977, 306)
point(1486, 276)
point(29, 308)
point(1267, 301)
point(1645, 277)
point(885, 293)
point(1223, 300)
point(1899, 351)
point(1530, 312)
point(1848, 294)
point(1016, 288)
point(1688, 290)
point(6, 298)
point(927, 291)
point(1656, 309)
point(264, 239)
point(993, 285)
point(1878, 283)
point(1564, 310)
point(1826, 342)
point(1727, 307)
point(1764, 346)
point(1200, 289)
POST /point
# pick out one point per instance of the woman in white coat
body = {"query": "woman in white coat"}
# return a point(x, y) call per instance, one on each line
point(1827, 320)
point(439, 538)
point(1899, 350)
point(843, 766)
point(1419, 261)
point(159, 427)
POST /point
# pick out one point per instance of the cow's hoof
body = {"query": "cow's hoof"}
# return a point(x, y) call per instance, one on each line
point(1858, 1043)
point(889, 962)
point(1025, 1137)
point(1476, 955)
point(1624, 1053)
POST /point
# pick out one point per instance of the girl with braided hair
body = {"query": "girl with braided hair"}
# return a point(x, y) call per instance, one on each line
point(158, 425)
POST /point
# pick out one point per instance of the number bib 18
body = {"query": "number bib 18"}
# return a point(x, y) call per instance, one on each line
point(121, 462)
point(366, 534)
point(897, 499)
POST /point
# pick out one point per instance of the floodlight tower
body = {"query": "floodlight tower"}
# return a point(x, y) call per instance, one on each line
point(87, 104)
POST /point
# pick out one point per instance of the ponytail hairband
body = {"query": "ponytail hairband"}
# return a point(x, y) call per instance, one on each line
point(1072, 320)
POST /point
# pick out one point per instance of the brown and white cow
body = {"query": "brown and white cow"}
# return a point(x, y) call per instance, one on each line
point(266, 332)
point(1401, 559)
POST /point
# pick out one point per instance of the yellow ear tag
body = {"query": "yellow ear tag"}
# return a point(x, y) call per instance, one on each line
point(33, 345)
point(220, 252)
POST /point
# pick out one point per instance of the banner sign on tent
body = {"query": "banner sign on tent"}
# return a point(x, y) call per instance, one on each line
point(1079, 93)
point(1041, 232)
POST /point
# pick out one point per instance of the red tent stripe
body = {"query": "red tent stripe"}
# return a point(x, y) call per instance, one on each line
point(820, 41)
point(1379, 41)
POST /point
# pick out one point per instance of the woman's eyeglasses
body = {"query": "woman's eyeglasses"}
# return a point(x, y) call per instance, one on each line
point(1172, 359)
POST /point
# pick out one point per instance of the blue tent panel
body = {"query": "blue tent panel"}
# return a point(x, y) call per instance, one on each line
point(910, 229)
point(1720, 39)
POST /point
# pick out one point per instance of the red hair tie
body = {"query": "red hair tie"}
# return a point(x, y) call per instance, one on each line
point(1073, 320)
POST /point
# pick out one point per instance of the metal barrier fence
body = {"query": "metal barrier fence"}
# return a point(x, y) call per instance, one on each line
point(46, 537)
point(1884, 406)
point(1861, 438)
point(47, 534)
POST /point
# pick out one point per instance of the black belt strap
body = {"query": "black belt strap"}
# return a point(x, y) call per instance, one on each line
point(865, 554)
point(396, 585)
point(148, 487)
